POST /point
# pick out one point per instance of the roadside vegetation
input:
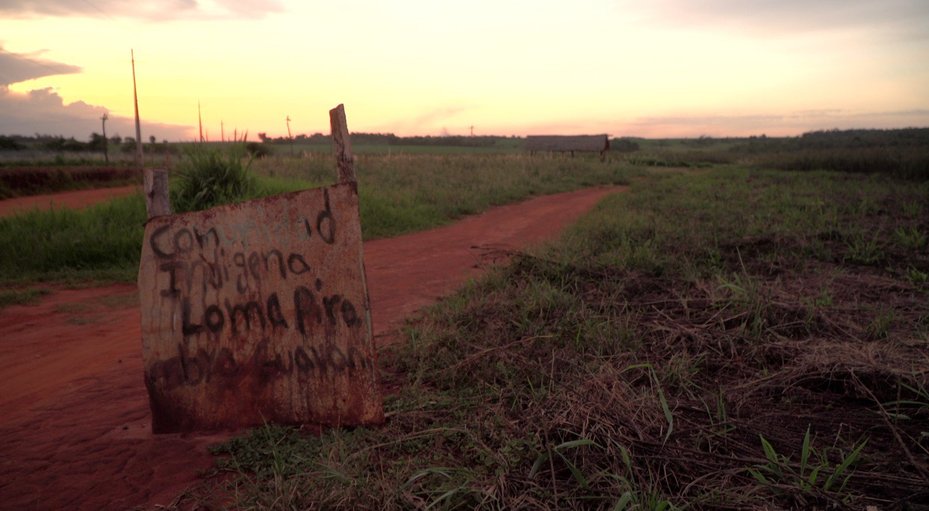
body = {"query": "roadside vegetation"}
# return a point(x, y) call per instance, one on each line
point(22, 296)
point(398, 194)
point(23, 181)
point(723, 339)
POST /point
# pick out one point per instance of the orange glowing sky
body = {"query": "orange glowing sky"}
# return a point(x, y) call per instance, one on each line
point(425, 67)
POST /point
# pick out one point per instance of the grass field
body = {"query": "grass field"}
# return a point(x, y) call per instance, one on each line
point(398, 194)
point(722, 338)
point(384, 149)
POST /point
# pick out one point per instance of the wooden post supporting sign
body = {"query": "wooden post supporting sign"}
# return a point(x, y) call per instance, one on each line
point(342, 145)
point(155, 188)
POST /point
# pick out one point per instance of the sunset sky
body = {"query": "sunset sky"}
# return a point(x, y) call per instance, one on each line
point(429, 67)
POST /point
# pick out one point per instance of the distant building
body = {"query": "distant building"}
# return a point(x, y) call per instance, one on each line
point(568, 144)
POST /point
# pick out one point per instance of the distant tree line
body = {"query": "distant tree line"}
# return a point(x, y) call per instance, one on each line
point(96, 144)
point(839, 139)
point(624, 145)
point(899, 152)
point(391, 139)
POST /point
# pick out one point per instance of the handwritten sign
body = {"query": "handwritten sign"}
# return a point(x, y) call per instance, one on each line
point(258, 312)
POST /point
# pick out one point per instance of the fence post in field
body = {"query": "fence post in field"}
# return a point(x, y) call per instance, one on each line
point(342, 145)
point(155, 184)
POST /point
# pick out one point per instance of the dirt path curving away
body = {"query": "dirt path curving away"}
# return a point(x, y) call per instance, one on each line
point(74, 417)
point(74, 199)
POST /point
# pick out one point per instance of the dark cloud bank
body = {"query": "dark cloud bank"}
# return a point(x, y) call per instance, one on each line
point(43, 111)
point(143, 9)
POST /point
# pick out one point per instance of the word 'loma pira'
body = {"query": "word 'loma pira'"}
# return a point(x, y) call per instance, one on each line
point(241, 317)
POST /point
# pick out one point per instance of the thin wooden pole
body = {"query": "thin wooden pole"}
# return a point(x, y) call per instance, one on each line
point(290, 136)
point(156, 192)
point(106, 154)
point(138, 123)
point(342, 145)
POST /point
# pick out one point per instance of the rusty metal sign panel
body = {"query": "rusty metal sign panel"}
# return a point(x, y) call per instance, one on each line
point(258, 312)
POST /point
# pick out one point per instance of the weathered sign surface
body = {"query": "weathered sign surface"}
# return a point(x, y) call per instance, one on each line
point(258, 312)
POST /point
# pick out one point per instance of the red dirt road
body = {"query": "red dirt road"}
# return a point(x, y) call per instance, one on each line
point(75, 199)
point(74, 418)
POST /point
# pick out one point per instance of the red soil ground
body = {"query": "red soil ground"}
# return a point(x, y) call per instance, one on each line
point(75, 199)
point(74, 417)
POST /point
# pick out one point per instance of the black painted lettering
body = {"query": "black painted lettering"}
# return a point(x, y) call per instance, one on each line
point(327, 234)
point(214, 319)
point(187, 327)
point(356, 359)
point(307, 310)
point(155, 243)
point(254, 265)
point(318, 360)
point(193, 371)
point(202, 238)
point(349, 314)
point(183, 241)
point(245, 311)
point(329, 303)
point(275, 316)
point(297, 264)
point(302, 361)
point(280, 262)
point(336, 358)
point(206, 276)
point(172, 267)
point(241, 283)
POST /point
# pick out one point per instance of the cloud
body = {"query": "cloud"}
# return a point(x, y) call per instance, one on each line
point(155, 10)
point(904, 18)
point(43, 111)
point(790, 124)
point(433, 122)
point(19, 68)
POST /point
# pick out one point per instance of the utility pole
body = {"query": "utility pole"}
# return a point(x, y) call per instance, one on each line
point(106, 156)
point(200, 121)
point(222, 131)
point(290, 136)
point(472, 130)
point(138, 123)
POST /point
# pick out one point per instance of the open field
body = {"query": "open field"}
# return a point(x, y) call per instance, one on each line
point(723, 336)
point(398, 194)
point(724, 339)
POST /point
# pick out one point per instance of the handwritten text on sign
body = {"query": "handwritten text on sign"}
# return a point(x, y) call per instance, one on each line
point(258, 312)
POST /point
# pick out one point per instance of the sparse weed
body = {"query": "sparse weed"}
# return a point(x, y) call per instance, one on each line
point(880, 326)
point(910, 238)
point(916, 277)
point(814, 475)
point(745, 294)
point(863, 249)
point(824, 299)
